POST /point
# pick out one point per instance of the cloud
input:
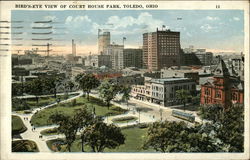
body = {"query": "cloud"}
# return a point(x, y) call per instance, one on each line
point(120, 25)
point(236, 18)
point(78, 20)
point(207, 27)
point(212, 18)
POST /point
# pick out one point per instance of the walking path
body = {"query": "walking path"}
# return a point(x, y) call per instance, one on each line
point(149, 113)
point(31, 134)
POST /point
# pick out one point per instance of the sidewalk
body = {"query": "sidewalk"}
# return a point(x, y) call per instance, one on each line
point(33, 135)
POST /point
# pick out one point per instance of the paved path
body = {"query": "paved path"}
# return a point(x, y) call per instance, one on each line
point(150, 113)
point(47, 95)
point(31, 134)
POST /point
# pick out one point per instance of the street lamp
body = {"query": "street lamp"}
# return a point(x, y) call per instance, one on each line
point(139, 115)
point(161, 113)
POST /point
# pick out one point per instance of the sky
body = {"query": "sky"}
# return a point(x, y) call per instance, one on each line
point(215, 30)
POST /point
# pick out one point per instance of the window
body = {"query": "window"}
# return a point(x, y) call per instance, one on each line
point(207, 92)
point(217, 94)
point(234, 96)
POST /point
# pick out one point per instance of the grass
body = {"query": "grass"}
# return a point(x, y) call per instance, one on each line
point(42, 117)
point(43, 101)
point(134, 140)
point(124, 119)
point(24, 146)
point(48, 132)
point(17, 125)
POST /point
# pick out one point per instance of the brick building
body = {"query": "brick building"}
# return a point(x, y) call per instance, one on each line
point(161, 49)
point(225, 88)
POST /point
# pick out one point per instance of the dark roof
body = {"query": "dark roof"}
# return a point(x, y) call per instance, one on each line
point(221, 69)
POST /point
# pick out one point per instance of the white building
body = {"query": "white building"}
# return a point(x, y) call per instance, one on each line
point(163, 91)
point(116, 52)
point(103, 41)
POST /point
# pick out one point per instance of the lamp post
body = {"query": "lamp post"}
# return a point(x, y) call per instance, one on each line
point(161, 113)
point(139, 116)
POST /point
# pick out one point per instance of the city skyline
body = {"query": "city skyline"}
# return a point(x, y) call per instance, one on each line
point(224, 30)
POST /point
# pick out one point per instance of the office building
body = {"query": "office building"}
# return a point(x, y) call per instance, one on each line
point(116, 53)
point(161, 49)
point(163, 91)
point(103, 41)
point(132, 58)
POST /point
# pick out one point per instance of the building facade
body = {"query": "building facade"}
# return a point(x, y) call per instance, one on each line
point(161, 49)
point(103, 41)
point(132, 58)
point(163, 91)
point(206, 58)
point(224, 89)
point(116, 53)
point(98, 60)
point(136, 79)
point(191, 74)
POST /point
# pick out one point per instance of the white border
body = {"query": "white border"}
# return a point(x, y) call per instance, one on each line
point(5, 85)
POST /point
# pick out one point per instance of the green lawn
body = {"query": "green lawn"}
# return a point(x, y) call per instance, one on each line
point(42, 117)
point(17, 125)
point(24, 146)
point(134, 140)
point(30, 103)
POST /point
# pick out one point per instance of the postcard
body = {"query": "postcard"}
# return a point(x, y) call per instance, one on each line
point(124, 80)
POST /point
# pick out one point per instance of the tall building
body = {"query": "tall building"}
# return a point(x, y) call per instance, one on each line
point(103, 41)
point(161, 49)
point(132, 58)
point(116, 53)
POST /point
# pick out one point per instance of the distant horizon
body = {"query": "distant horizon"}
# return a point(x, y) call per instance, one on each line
point(214, 30)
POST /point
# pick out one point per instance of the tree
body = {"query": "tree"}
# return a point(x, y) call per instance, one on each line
point(17, 89)
point(126, 93)
point(165, 136)
point(35, 87)
point(100, 136)
point(211, 112)
point(108, 91)
point(69, 85)
point(87, 82)
point(52, 83)
point(67, 126)
point(83, 119)
point(183, 96)
point(178, 137)
point(229, 125)
point(231, 130)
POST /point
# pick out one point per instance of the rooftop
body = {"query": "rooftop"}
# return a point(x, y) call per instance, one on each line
point(163, 80)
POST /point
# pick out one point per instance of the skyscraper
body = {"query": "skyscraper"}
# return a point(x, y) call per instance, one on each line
point(116, 53)
point(161, 49)
point(103, 41)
